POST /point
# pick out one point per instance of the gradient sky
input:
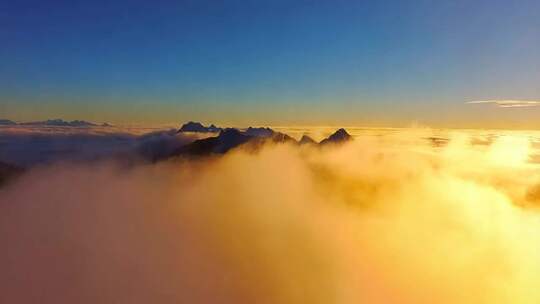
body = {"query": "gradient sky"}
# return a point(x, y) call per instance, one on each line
point(383, 63)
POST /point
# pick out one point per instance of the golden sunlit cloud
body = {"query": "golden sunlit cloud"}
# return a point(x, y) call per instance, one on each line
point(382, 219)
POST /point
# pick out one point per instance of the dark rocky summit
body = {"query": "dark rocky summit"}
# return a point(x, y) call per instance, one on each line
point(231, 138)
point(252, 138)
point(198, 127)
point(260, 132)
point(306, 140)
point(226, 140)
point(339, 137)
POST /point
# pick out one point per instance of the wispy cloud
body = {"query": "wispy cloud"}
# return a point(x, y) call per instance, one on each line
point(508, 103)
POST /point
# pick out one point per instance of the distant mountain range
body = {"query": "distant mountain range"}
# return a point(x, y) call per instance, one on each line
point(54, 123)
point(252, 138)
point(173, 144)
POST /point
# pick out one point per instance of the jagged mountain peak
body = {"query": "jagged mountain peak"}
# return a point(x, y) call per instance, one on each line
point(340, 136)
point(306, 140)
point(259, 132)
point(193, 126)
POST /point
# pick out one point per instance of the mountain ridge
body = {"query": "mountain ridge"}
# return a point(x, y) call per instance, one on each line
point(231, 138)
point(192, 126)
point(57, 122)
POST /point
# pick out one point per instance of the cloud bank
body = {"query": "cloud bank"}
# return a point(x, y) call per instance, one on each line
point(508, 103)
point(27, 146)
point(379, 220)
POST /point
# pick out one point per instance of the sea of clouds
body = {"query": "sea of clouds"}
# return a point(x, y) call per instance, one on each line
point(382, 219)
point(28, 146)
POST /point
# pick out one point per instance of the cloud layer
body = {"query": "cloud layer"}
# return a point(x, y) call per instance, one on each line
point(381, 220)
point(28, 146)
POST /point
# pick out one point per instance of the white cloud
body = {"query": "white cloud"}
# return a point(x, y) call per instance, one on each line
point(508, 103)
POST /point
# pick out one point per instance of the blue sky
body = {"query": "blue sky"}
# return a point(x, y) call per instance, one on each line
point(271, 62)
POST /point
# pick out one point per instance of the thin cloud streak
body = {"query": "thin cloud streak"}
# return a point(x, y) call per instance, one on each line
point(508, 103)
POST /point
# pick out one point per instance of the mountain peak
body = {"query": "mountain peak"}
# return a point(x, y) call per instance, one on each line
point(306, 140)
point(340, 136)
point(259, 132)
point(341, 133)
point(229, 132)
point(193, 126)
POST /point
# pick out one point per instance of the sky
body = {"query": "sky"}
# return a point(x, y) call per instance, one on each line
point(372, 63)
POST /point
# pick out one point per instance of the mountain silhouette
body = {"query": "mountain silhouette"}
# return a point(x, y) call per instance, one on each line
point(252, 138)
point(231, 138)
point(339, 137)
point(59, 123)
point(306, 140)
point(227, 139)
point(198, 127)
point(259, 132)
